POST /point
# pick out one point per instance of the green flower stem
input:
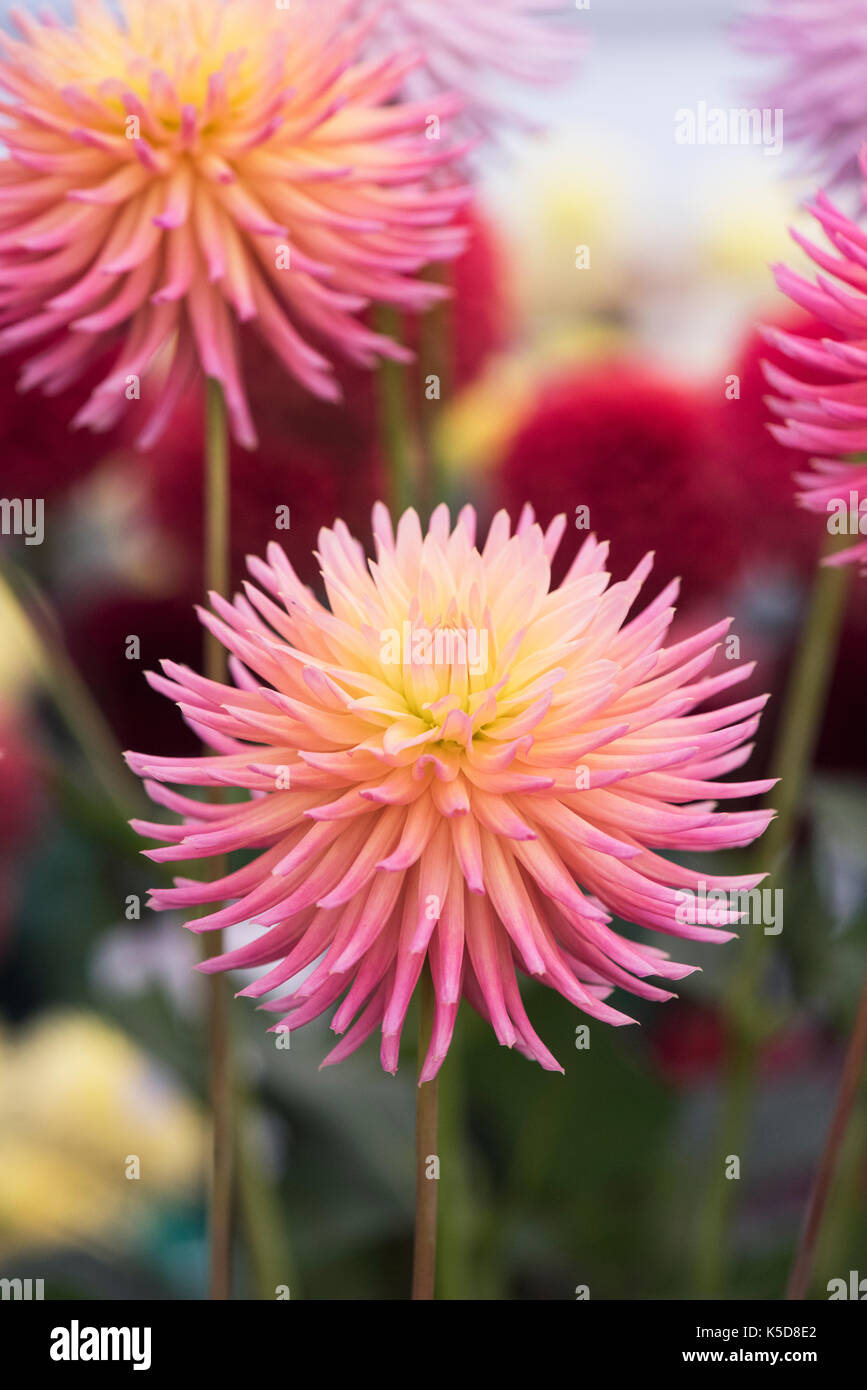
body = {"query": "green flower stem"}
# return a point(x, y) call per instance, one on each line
point(850, 1082)
point(216, 518)
point(458, 1206)
point(436, 358)
point(745, 1024)
point(402, 456)
point(425, 1245)
point(837, 1241)
point(396, 422)
point(271, 1265)
point(220, 1188)
point(35, 622)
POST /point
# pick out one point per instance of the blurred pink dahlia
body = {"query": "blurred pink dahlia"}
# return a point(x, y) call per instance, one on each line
point(479, 48)
point(819, 85)
point(453, 763)
point(758, 466)
point(831, 415)
point(178, 167)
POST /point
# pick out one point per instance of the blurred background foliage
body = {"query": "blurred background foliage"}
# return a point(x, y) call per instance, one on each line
point(605, 389)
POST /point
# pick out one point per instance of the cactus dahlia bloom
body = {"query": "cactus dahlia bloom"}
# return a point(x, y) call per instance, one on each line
point(453, 762)
point(822, 51)
point(828, 412)
point(178, 167)
point(479, 48)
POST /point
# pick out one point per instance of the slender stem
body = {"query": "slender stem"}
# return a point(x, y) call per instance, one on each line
point(402, 454)
point(216, 520)
point(436, 358)
point(459, 1197)
point(396, 421)
point(425, 1247)
point(838, 1227)
point(271, 1263)
point(216, 517)
point(853, 1068)
point(38, 638)
point(92, 731)
point(804, 707)
point(220, 1196)
point(745, 1025)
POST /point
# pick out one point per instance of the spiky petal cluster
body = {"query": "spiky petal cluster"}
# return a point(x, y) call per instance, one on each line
point(179, 166)
point(828, 412)
point(484, 804)
point(819, 85)
point(482, 49)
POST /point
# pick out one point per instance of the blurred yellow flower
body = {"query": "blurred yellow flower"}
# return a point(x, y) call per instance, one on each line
point(748, 230)
point(22, 661)
point(82, 1109)
point(572, 230)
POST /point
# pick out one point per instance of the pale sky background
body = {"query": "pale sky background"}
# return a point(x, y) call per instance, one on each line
point(675, 211)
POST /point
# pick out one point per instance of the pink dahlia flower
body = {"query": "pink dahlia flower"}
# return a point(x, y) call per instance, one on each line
point(183, 166)
point(480, 49)
point(758, 467)
point(456, 763)
point(830, 415)
point(819, 84)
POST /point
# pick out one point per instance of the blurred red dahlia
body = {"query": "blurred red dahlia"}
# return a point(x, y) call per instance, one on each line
point(41, 456)
point(634, 448)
